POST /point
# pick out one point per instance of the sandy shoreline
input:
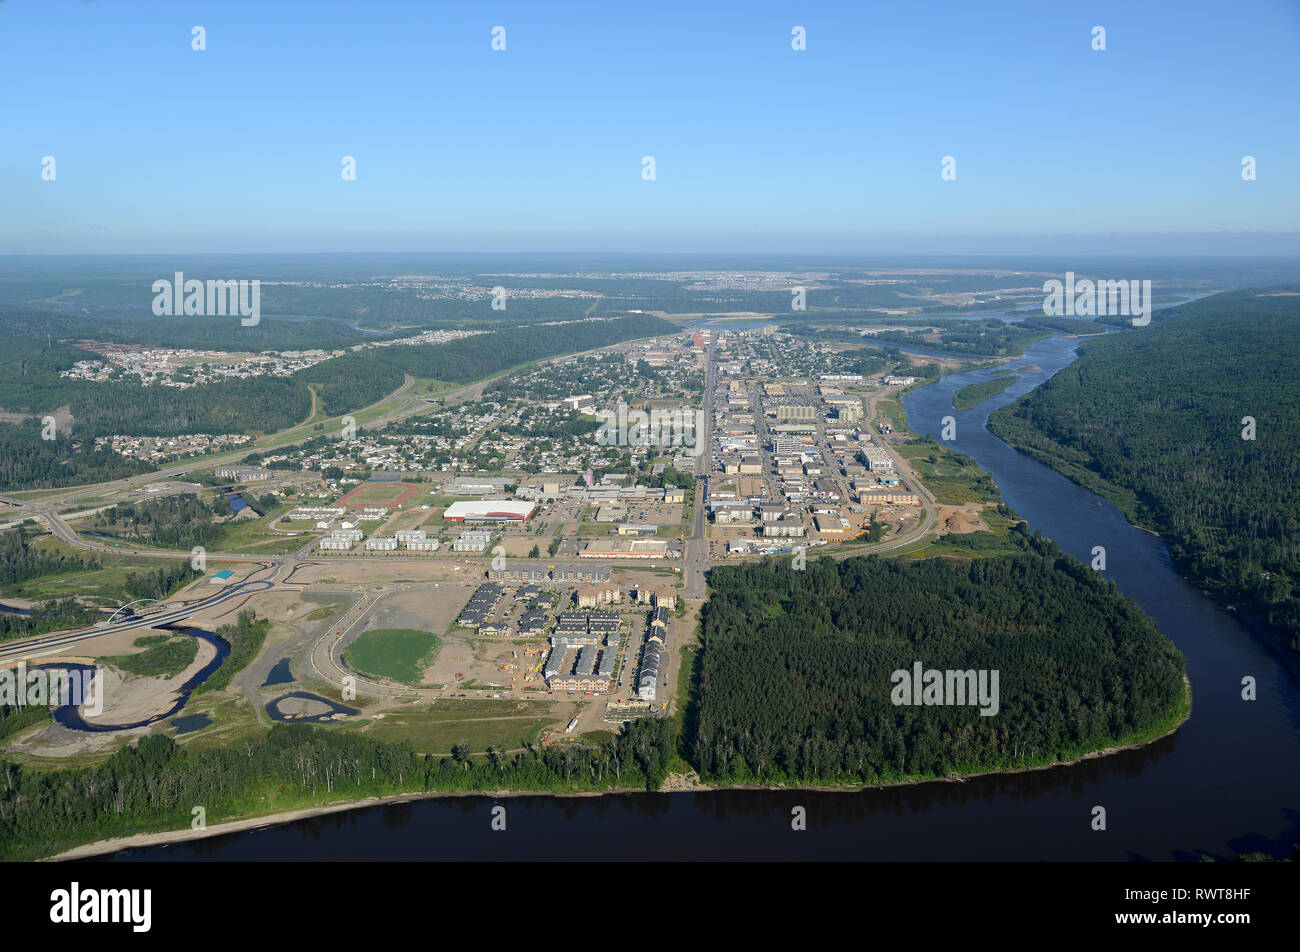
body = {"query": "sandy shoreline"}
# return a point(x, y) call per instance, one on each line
point(674, 784)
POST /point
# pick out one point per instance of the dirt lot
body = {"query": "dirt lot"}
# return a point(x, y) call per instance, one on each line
point(960, 519)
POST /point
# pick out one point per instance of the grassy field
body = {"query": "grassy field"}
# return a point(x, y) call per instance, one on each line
point(477, 723)
point(399, 654)
point(952, 477)
point(105, 584)
point(164, 656)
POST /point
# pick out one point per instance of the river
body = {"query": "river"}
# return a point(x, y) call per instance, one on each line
point(1226, 782)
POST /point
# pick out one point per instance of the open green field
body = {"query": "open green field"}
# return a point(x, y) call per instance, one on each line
point(399, 654)
point(508, 724)
point(106, 584)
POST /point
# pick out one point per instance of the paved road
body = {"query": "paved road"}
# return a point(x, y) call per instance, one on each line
point(696, 562)
point(60, 642)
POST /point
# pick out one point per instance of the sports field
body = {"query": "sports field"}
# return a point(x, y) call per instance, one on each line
point(387, 494)
point(399, 654)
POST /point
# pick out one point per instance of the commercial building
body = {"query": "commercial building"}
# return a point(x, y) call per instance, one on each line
point(638, 529)
point(611, 513)
point(625, 549)
point(804, 413)
point(490, 510)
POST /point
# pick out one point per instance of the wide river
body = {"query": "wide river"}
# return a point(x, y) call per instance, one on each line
point(1228, 781)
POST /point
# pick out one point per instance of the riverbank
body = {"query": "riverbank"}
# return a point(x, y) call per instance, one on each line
point(676, 783)
point(1125, 500)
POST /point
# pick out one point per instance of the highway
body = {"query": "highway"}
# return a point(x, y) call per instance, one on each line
point(59, 642)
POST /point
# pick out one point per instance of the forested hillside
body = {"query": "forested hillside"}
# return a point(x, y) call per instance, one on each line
point(30, 383)
point(31, 386)
point(205, 333)
point(1154, 419)
point(794, 680)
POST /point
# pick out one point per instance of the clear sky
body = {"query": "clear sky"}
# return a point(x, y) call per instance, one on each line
point(758, 147)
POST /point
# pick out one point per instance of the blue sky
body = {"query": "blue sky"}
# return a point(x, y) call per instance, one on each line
point(758, 148)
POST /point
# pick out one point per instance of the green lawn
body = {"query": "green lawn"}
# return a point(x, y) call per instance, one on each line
point(399, 654)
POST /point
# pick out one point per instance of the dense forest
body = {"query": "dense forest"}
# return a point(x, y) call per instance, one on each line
point(159, 583)
point(155, 784)
point(1155, 419)
point(363, 377)
point(30, 384)
point(174, 522)
point(794, 680)
point(29, 462)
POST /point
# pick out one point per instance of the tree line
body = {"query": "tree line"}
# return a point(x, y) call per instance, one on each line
point(156, 783)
